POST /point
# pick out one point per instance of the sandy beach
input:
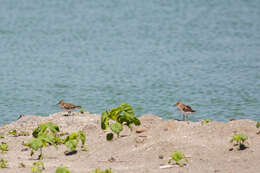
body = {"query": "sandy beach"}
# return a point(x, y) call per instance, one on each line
point(206, 146)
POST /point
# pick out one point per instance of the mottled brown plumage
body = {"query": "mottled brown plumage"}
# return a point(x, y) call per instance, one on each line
point(184, 109)
point(67, 106)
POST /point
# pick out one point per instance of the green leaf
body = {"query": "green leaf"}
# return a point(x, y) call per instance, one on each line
point(239, 138)
point(110, 136)
point(206, 121)
point(72, 144)
point(177, 156)
point(35, 144)
point(258, 124)
point(62, 170)
point(3, 163)
point(104, 120)
point(35, 170)
point(136, 121)
point(84, 148)
point(71, 141)
point(45, 126)
point(39, 164)
point(99, 171)
point(82, 137)
point(37, 167)
point(54, 128)
point(114, 113)
point(127, 108)
point(12, 132)
point(116, 127)
point(4, 146)
point(82, 110)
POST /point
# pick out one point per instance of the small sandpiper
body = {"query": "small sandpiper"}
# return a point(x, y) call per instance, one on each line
point(185, 110)
point(21, 116)
point(67, 106)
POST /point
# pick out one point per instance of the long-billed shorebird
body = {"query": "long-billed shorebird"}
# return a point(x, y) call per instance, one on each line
point(67, 106)
point(185, 110)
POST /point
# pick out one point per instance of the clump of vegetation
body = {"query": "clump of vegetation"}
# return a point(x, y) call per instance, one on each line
point(205, 121)
point(44, 134)
point(12, 132)
point(82, 110)
point(179, 158)
point(239, 140)
point(16, 134)
point(23, 133)
point(48, 134)
point(257, 126)
point(3, 146)
point(2, 136)
point(21, 165)
point(3, 163)
point(37, 167)
point(62, 170)
point(122, 115)
point(72, 140)
point(99, 171)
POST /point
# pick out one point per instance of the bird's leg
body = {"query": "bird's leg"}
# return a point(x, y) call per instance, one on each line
point(188, 115)
point(65, 112)
point(69, 112)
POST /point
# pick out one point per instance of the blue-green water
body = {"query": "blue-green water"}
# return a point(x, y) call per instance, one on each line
point(151, 54)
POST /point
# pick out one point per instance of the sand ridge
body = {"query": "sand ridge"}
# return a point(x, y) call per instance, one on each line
point(206, 146)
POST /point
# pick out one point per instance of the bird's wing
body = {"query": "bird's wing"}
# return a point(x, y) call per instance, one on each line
point(188, 108)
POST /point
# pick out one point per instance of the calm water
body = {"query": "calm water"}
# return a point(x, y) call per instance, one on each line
point(98, 53)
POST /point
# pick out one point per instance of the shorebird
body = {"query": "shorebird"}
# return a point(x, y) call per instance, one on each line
point(67, 106)
point(21, 116)
point(185, 110)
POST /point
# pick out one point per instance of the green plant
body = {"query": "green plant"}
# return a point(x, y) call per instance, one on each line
point(99, 171)
point(62, 170)
point(13, 132)
point(23, 133)
point(3, 163)
point(122, 115)
point(4, 146)
point(178, 157)
point(44, 128)
point(206, 121)
point(257, 126)
point(84, 148)
point(16, 134)
point(71, 141)
point(82, 110)
point(44, 134)
point(37, 167)
point(239, 140)
point(2, 136)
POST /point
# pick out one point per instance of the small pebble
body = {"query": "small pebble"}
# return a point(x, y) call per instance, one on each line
point(140, 130)
point(139, 140)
